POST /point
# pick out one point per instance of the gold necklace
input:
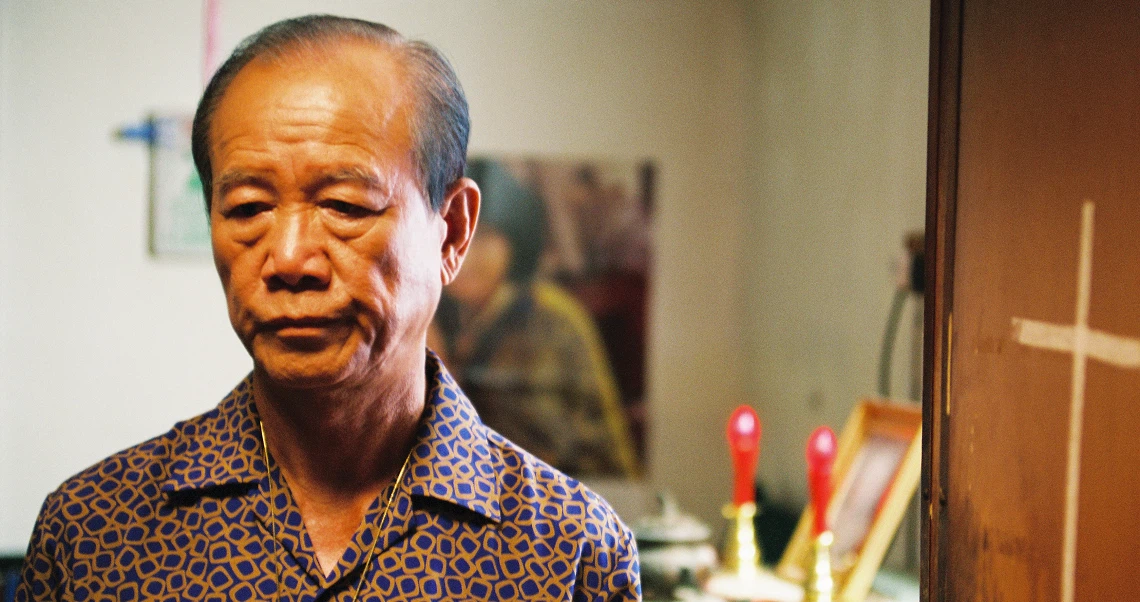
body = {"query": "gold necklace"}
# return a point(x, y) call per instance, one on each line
point(273, 513)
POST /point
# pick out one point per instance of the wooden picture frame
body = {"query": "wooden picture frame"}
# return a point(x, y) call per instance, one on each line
point(877, 468)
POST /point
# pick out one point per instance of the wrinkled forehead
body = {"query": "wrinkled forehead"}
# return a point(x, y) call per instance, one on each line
point(365, 78)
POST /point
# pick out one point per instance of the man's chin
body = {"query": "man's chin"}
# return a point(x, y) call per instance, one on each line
point(316, 371)
point(302, 379)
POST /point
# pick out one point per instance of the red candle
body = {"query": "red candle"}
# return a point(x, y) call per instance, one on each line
point(744, 445)
point(821, 449)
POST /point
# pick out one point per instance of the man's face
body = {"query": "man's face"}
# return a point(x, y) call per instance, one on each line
point(328, 253)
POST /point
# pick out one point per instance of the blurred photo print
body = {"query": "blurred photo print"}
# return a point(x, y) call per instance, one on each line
point(545, 326)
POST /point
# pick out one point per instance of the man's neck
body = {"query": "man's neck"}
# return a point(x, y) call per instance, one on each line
point(343, 442)
point(339, 447)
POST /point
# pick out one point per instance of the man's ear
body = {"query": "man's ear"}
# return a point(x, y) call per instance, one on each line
point(460, 213)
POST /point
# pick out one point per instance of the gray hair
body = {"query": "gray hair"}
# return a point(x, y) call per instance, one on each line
point(440, 121)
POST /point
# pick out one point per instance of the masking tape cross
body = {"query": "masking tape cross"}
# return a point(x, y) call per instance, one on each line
point(1084, 343)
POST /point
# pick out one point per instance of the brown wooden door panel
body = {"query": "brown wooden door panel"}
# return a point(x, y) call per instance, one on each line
point(1048, 118)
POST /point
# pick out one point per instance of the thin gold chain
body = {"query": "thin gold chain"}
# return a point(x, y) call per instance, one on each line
point(273, 514)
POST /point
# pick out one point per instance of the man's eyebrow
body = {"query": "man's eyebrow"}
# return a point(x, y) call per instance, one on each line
point(349, 175)
point(236, 179)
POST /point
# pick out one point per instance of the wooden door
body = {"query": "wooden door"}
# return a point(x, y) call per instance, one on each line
point(1032, 401)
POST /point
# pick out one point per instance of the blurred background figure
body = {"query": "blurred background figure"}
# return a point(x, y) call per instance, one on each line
point(526, 351)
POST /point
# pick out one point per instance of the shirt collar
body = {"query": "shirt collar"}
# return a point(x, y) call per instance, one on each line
point(452, 459)
point(220, 447)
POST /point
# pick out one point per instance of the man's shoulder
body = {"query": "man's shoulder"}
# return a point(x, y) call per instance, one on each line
point(563, 521)
point(533, 490)
point(134, 474)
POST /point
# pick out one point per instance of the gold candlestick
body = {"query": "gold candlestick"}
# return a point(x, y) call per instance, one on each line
point(741, 551)
point(820, 585)
point(742, 577)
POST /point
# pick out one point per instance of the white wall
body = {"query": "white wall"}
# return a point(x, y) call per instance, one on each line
point(104, 346)
point(837, 151)
point(7, 428)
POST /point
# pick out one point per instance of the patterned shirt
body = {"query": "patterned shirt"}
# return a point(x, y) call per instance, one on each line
point(188, 516)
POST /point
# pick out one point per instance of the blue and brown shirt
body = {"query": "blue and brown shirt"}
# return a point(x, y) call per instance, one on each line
point(188, 516)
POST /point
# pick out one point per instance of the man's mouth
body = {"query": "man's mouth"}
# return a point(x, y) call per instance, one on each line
point(302, 325)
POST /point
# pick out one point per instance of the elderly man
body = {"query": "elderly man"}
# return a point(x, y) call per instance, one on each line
point(348, 465)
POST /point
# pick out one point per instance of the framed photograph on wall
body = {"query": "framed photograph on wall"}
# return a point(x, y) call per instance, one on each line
point(545, 326)
point(179, 225)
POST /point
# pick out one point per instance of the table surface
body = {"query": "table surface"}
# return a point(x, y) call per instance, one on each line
point(887, 587)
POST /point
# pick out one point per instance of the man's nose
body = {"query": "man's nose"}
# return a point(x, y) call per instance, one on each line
point(297, 256)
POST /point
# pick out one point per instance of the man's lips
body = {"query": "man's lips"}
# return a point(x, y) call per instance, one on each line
point(300, 323)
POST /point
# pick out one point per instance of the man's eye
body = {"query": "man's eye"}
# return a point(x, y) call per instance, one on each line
point(247, 210)
point(347, 209)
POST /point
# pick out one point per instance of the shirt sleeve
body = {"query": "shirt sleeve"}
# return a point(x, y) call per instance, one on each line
point(624, 583)
point(609, 570)
point(43, 577)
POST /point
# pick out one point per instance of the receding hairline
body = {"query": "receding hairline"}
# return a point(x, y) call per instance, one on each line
point(325, 42)
point(323, 48)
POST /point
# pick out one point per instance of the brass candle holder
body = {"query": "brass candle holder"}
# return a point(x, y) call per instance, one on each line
point(820, 585)
point(741, 550)
point(821, 450)
point(741, 576)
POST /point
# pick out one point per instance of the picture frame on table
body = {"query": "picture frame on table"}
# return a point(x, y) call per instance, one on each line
point(877, 468)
